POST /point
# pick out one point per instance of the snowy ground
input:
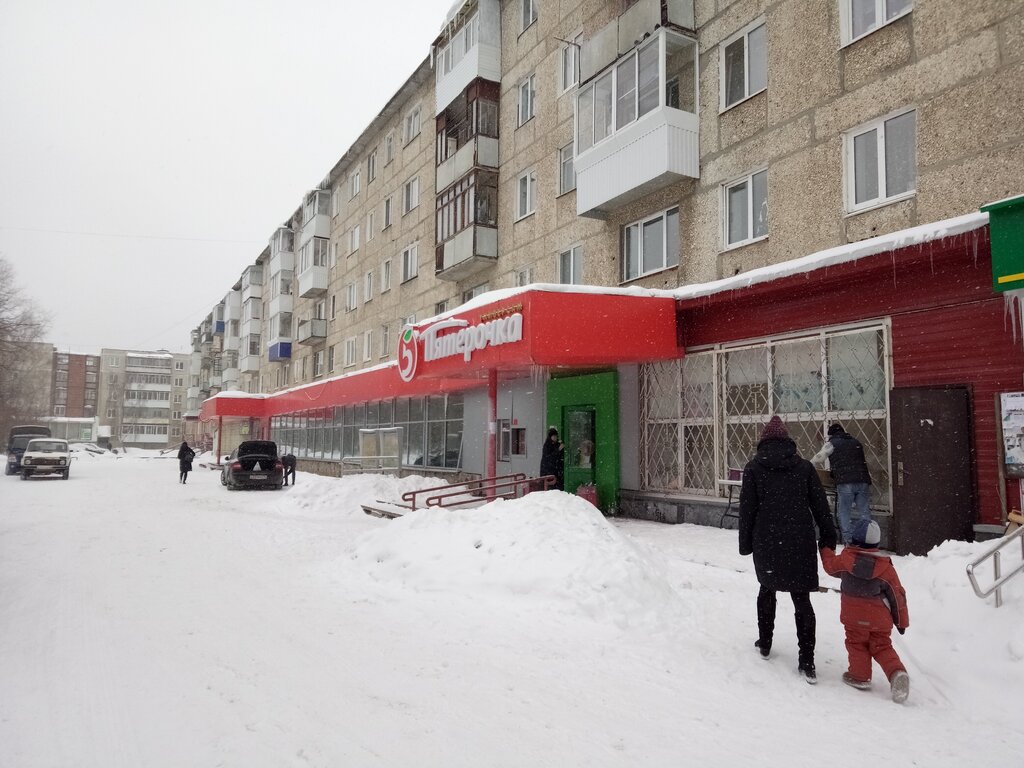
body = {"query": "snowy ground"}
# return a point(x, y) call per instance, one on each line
point(144, 623)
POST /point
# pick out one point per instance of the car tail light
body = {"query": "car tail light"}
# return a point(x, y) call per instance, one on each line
point(237, 466)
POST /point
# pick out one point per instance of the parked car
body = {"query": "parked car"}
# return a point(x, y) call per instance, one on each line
point(253, 464)
point(17, 439)
point(46, 456)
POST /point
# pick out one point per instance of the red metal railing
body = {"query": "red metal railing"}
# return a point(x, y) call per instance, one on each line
point(473, 491)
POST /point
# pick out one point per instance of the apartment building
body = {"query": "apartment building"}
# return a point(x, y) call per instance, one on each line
point(142, 397)
point(726, 172)
point(75, 385)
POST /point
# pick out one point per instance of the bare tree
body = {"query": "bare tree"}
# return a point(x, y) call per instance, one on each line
point(25, 363)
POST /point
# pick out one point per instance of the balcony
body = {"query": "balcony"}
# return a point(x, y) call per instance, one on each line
point(480, 151)
point(281, 303)
point(216, 380)
point(468, 48)
point(233, 306)
point(313, 282)
point(279, 350)
point(637, 127)
point(232, 343)
point(192, 393)
point(230, 377)
point(316, 218)
point(312, 331)
point(618, 37)
point(218, 327)
point(249, 363)
point(472, 250)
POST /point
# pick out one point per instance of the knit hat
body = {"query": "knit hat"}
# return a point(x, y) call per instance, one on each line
point(774, 430)
point(835, 429)
point(552, 431)
point(866, 533)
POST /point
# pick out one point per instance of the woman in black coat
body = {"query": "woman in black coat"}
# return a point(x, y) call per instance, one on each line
point(185, 456)
point(781, 502)
point(552, 458)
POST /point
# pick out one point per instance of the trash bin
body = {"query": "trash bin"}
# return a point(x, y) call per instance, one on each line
point(588, 491)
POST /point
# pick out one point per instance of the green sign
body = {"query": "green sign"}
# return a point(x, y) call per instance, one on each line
point(1006, 234)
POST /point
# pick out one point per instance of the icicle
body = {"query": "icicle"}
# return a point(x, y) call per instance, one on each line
point(1013, 302)
point(974, 246)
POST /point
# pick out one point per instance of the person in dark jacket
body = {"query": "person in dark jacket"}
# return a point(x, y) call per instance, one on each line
point(552, 458)
point(185, 456)
point(781, 502)
point(873, 602)
point(289, 461)
point(849, 470)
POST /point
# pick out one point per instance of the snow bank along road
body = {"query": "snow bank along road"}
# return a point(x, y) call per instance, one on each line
point(148, 623)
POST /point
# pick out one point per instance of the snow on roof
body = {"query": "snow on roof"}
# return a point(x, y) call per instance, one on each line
point(839, 255)
point(234, 393)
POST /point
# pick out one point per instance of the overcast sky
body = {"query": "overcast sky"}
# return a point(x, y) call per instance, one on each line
point(149, 149)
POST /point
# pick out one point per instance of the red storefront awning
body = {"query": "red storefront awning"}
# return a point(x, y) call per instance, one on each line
point(557, 327)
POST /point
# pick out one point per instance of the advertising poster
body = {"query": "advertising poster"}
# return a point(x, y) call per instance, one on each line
point(1013, 432)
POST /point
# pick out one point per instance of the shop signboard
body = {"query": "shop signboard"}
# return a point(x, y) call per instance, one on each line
point(1006, 231)
point(1012, 414)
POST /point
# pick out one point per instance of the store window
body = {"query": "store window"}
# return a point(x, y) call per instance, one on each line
point(690, 447)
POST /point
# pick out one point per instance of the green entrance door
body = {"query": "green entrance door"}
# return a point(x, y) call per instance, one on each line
point(586, 411)
point(579, 447)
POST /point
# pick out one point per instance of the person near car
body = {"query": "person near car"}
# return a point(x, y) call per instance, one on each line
point(781, 502)
point(289, 461)
point(185, 456)
point(849, 469)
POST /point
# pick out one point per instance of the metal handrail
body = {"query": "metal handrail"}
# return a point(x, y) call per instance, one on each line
point(469, 485)
point(998, 579)
point(438, 500)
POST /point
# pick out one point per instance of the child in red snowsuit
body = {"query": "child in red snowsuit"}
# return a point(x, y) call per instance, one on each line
point(872, 602)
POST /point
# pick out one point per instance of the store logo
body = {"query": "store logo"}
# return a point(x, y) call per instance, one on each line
point(464, 342)
point(408, 357)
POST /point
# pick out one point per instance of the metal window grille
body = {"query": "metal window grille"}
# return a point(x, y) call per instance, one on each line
point(703, 415)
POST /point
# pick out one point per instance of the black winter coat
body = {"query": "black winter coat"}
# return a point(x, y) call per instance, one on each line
point(185, 456)
point(781, 501)
point(552, 461)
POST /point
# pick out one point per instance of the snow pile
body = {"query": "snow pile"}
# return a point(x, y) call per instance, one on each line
point(548, 547)
point(951, 627)
point(330, 496)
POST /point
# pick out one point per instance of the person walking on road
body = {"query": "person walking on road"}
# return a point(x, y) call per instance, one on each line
point(185, 456)
point(781, 502)
point(849, 469)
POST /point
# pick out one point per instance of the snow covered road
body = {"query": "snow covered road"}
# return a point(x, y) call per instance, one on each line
point(146, 623)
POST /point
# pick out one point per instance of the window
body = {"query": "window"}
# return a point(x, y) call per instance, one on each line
point(350, 297)
point(353, 184)
point(371, 166)
point(369, 225)
point(650, 245)
point(511, 440)
point(387, 213)
point(745, 205)
point(179, 366)
point(179, 381)
point(461, 43)
point(330, 357)
point(524, 277)
point(368, 287)
point(385, 340)
point(389, 147)
point(59, 410)
point(411, 125)
point(410, 195)
point(113, 362)
point(350, 351)
point(318, 363)
point(475, 291)
point(471, 200)
point(314, 253)
point(367, 346)
point(409, 262)
point(570, 265)
point(254, 344)
point(319, 309)
point(385, 276)
point(566, 170)
point(62, 376)
point(284, 325)
point(353, 239)
point(527, 93)
point(529, 12)
point(527, 187)
point(862, 17)
point(744, 64)
point(880, 161)
point(334, 306)
point(570, 58)
point(625, 92)
point(336, 201)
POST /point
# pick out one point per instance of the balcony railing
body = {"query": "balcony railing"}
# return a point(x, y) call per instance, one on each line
point(312, 331)
point(480, 151)
point(472, 250)
point(313, 282)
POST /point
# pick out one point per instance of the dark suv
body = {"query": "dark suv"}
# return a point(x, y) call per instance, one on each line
point(253, 464)
point(17, 440)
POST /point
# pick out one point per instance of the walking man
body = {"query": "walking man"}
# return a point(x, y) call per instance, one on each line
point(849, 470)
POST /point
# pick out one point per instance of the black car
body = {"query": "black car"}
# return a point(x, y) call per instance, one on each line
point(16, 445)
point(253, 464)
